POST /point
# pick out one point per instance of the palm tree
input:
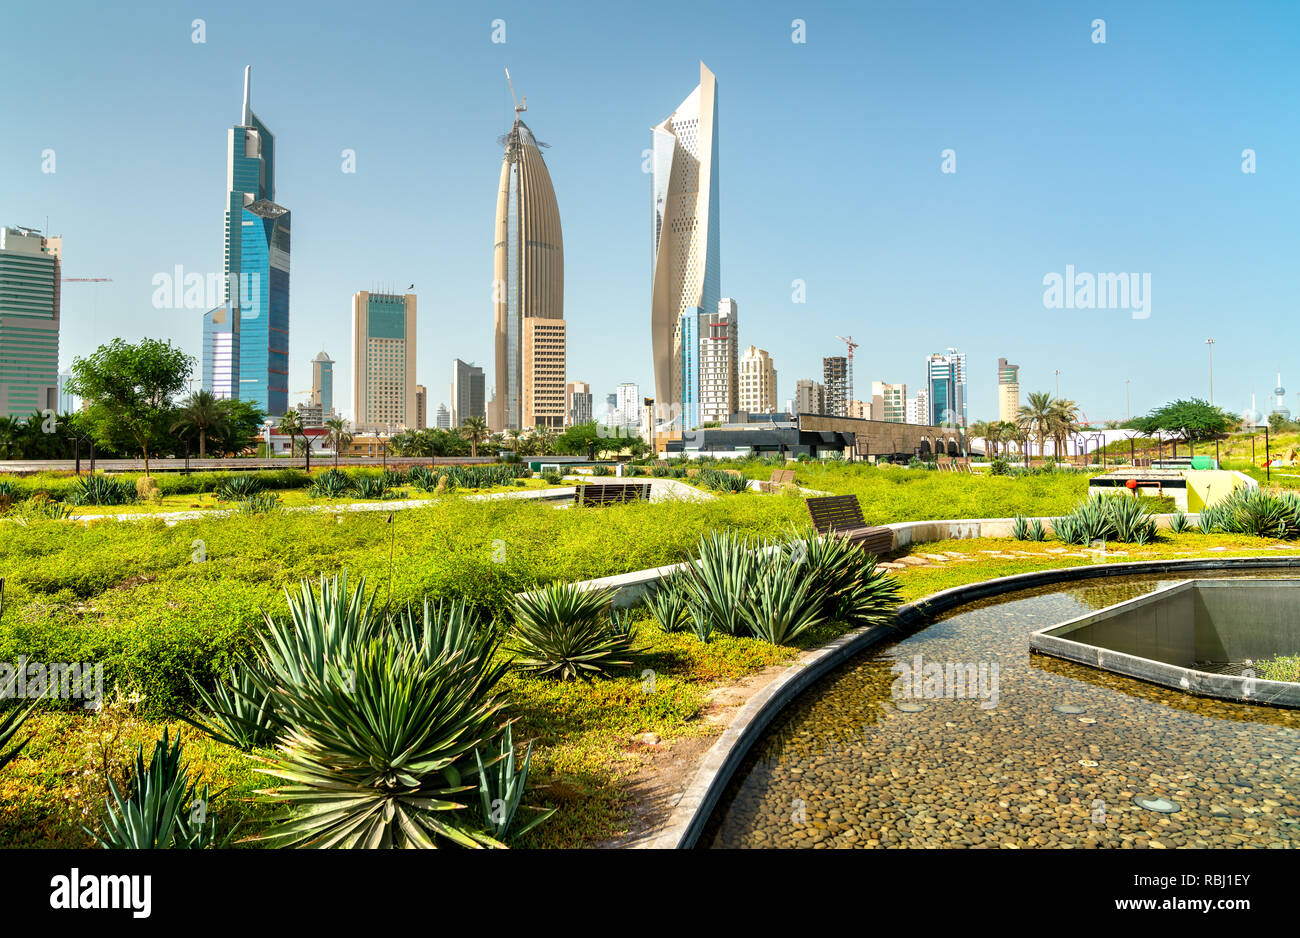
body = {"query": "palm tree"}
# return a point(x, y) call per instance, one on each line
point(338, 435)
point(202, 412)
point(514, 433)
point(979, 429)
point(291, 425)
point(545, 437)
point(1063, 416)
point(1036, 417)
point(475, 431)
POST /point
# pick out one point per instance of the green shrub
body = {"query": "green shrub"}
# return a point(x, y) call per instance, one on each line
point(1279, 668)
point(332, 483)
point(371, 488)
point(999, 466)
point(10, 724)
point(855, 590)
point(661, 472)
point(552, 478)
point(560, 631)
point(501, 788)
point(1180, 523)
point(259, 504)
point(779, 605)
point(1254, 511)
point(715, 583)
point(721, 481)
point(101, 490)
point(237, 488)
point(667, 603)
point(601, 471)
point(1107, 517)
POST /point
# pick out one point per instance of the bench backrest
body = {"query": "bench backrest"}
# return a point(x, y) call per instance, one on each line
point(611, 493)
point(835, 511)
point(783, 476)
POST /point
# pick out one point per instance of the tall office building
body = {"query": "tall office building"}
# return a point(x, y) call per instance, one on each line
point(686, 254)
point(835, 378)
point(383, 361)
point(220, 353)
point(578, 394)
point(528, 299)
point(720, 362)
point(1008, 391)
point(809, 397)
point(889, 402)
point(946, 388)
point(421, 407)
point(31, 276)
point(757, 377)
point(443, 418)
point(322, 383)
point(256, 313)
point(68, 402)
point(467, 392)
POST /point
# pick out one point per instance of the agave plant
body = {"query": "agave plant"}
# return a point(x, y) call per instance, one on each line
point(162, 808)
point(422, 477)
point(501, 788)
point(9, 727)
point(1130, 520)
point(1180, 523)
point(40, 507)
point(371, 488)
point(781, 604)
point(332, 483)
point(715, 585)
point(259, 504)
point(102, 490)
point(667, 603)
point(239, 487)
point(239, 714)
point(1036, 531)
point(377, 751)
point(1250, 510)
point(1020, 528)
point(855, 590)
point(560, 631)
point(721, 481)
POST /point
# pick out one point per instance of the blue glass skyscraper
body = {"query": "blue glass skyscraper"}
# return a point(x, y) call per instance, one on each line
point(256, 267)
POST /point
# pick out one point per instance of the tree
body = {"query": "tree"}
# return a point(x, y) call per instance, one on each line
point(1036, 417)
point(545, 438)
point(475, 431)
point(579, 440)
point(202, 412)
point(1200, 419)
point(242, 421)
point(129, 388)
point(1063, 418)
point(291, 426)
point(979, 429)
point(339, 436)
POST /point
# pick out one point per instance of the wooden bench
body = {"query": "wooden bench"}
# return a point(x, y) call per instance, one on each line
point(611, 493)
point(841, 515)
point(780, 479)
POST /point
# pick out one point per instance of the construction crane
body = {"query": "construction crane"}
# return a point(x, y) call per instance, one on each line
point(848, 399)
point(520, 105)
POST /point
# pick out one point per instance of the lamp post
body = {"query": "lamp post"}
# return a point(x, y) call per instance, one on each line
point(1058, 382)
point(1128, 400)
point(1210, 344)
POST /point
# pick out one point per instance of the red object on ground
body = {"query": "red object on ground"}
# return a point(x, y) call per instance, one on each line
point(1132, 483)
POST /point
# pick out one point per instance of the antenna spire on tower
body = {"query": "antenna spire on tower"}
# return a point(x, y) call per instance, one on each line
point(248, 100)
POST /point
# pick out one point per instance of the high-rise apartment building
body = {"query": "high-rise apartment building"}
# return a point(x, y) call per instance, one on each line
point(322, 383)
point(835, 379)
point(421, 407)
point(889, 402)
point(578, 394)
point(383, 361)
point(946, 388)
point(720, 362)
point(528, 302)
point(1008, 391)
point(757, 377)
point(809, 397)
point(859, 410)
point(686, 254)
point(256, 312)
point(31, 276)
point(918, 408)
point(443, 418)
point(467, 392)
point(626, 415)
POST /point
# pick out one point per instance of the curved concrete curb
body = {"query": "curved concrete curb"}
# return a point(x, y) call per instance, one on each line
point(696, 804)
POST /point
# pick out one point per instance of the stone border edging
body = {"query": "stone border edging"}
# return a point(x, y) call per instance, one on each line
point(696, 804)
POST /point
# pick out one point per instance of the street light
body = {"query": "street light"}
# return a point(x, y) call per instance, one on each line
point(1128, 401)
point(1058, 382)
point(1210, 346)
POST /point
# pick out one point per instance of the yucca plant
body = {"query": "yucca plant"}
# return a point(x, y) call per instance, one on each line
point(239, 713)
point(9, 726)
point(715, 585)
point(239, 487)
point(377, 752)
point(371, 488)
point(781, 604)
point(260, 503)
point(162, 808)
point(667, 603)
point(560, 631)
point(501, 788)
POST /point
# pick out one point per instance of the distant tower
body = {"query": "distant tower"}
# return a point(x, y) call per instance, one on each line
point(322, 383)
point(1279, 406)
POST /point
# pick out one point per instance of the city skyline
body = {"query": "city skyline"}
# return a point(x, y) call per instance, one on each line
point(964, 253)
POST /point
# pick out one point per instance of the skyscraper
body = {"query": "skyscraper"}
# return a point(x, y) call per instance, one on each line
point(1008, 391)
point(322, 383)
point(579, 398)
point(627, 407)
point(31, 271)
point(257, 270)
point(889, 402)
point(686, 254)
point(946, 388)
point(421, 406)
point(918, 408)
point(383, 361)
point(835, 378)
point(809, 397)
point(443, 418)
point(467, 391)
point(528, 297)
point(719, 363)
point(757, 376)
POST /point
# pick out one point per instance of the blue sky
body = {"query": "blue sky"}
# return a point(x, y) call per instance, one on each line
point(1116, 157)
